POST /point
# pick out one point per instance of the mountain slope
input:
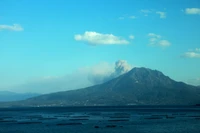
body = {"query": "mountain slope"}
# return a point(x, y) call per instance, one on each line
point(140, 86)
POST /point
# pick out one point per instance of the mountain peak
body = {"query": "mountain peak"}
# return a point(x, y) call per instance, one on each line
point(148, 77)
point(141, 70)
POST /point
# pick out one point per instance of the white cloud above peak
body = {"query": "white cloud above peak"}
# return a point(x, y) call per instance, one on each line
point(95, 38)
point(157, 40)
point(192, 11)
point(14, 27)
point(162, 14)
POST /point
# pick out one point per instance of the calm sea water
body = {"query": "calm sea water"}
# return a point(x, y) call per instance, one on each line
point(116, 119)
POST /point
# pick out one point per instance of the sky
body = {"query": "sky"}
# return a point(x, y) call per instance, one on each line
point(54, 45)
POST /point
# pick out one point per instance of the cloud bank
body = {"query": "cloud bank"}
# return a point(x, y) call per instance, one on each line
point(94, 38)
point(14, 27)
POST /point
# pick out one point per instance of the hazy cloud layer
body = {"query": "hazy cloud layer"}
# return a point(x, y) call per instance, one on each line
point(156, 40)
point(14, 27)
point(94, 38)
point(83, 77)
point(192, 11)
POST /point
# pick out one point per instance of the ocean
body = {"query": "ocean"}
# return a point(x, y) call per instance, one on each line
point(101, 119)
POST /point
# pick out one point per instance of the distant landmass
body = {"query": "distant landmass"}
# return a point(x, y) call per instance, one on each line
point(139, 86)
point(12, 96)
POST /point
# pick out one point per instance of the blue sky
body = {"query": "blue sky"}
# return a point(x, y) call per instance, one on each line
point(55, 38)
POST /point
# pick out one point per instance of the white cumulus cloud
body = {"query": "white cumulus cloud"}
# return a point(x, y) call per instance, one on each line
point(95, 38)
point(162, 14)
point(156, 40)
point(14, 27)
point(192, 11)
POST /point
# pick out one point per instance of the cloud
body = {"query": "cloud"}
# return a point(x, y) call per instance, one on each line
point(146, 12)
point(197, 49)
point(94, 38)
point(192, 11)
point(81, 78)
point(121, 18)
point(162, 14)
point(191, 55)
point(132, 17)
point(164, 43)
point(154, 35)
point(156, 40)
point(131, 37)
point(127, 17)
point(14, 27)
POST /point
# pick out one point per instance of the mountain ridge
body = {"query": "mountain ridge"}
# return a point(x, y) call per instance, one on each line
point(139, 86)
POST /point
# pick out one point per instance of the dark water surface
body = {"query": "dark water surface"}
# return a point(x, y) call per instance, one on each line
point(118, 119)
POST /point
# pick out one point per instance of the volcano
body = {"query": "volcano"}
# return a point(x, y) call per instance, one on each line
point(139, 86)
